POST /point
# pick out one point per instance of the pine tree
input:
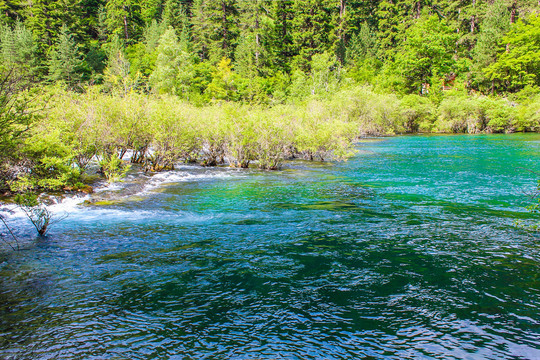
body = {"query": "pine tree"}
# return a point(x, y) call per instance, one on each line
point(281, 42)
point(152, 34)
point(251, 54)
point(174, 65)
point(176, 14)
point(124, 19)
point(163, 79)
point(44, 19)
point(314, 29)
point(117, 73)
point(17, 50)
point(65, 59)
point(215, 28)
point(362, 45)
point(151, 10)
point(388, 25)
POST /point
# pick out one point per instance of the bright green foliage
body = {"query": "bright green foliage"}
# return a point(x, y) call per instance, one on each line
point(426, 54)
point(174, 66)
point(418, 113)
point(362, 46)
point(142, 56)
point(322, 80)
point(113, 168)
point(314, 30)
point(163, 78)
point(252, 55)
point(10, 11)
point(282, 34)
point(124, 18)
point(518, 63)
point(150, 10)
point(494, 26)
point(65, 60)
point(477, 114)
point(175, 15)
point(15, 123)
point(44, 19)
point(224, 82)
point(215, 28)
point(387, 12)
point(17, 49)
point(117, 74)
point(52, 160)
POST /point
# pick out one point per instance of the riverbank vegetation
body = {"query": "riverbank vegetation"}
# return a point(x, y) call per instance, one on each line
point(113, 84)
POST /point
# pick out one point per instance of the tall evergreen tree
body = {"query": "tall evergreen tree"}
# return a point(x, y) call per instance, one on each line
point(124, 19)
point(215, 28)
point(281, 39)
point(176, 14)
point(362, 45)
point(65, 60)
point(314, 29)
point(17, 46)
point(388, 27)
point(163, 79)
point(45, 18)
point(251, 53)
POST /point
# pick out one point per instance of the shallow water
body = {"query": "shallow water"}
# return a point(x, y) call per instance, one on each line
point(408, 250)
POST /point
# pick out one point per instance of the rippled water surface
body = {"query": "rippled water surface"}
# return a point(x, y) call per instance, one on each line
point(408, 250)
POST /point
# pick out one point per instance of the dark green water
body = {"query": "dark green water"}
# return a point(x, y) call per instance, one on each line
point(408, 250)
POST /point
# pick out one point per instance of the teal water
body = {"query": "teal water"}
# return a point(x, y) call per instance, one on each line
point(408, 250)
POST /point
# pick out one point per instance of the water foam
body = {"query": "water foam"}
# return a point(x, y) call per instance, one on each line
point(175, 176)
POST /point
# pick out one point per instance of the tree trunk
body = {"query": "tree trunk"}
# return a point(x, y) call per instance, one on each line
point(513, 14)
point(225, 30)
point(257, 40)
point(126, 27)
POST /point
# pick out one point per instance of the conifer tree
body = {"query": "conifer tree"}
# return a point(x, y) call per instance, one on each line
point(388, 25)
point(281, 43)
point(17, 49)
point(314, 26)
point(176, 14)
point(65, 59)
point(163, 79)
point(117, 73)
point(124, 19)
point(215, 28)
point(362, 45)
point(251, 54)
point(44, 19)
point(174, 65)
point(151, 10)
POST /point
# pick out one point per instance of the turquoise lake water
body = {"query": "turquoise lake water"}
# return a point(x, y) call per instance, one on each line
point(408, 250)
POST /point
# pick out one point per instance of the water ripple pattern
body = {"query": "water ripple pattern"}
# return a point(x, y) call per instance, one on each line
point(410, 250)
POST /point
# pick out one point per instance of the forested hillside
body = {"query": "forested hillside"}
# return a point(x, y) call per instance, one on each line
point(268, 50)
point(243, 82)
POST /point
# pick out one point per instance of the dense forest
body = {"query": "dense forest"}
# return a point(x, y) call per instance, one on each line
point(251, 81)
